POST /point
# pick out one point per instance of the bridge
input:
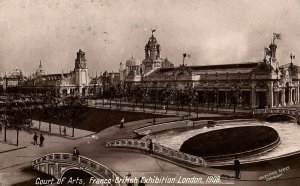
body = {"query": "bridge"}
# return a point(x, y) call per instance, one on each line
point(158, 150)
point(292, 113)
point(57, 164)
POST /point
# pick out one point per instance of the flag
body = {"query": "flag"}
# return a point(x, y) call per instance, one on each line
point(292, 56)
point(153, 30)
point(277, 36)
point(268, 52)
point(186, 55)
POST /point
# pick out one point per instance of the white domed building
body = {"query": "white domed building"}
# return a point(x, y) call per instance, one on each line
point(134, 71)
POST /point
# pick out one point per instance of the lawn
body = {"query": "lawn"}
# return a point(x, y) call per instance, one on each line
point(229, 141)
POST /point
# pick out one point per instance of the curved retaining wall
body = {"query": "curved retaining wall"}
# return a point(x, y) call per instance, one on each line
point(170, 125)
point(158, 150)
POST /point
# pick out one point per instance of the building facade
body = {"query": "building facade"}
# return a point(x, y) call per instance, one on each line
point(61, 84)
point(12, 80)
point(259, 84)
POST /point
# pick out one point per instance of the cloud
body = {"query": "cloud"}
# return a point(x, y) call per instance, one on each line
point(218, 31)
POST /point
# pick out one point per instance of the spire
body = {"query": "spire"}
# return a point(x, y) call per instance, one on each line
point(40, 64)
point(153, 30)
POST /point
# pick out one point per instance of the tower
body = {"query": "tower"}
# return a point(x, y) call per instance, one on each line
point(81, 71)
point(40, 71)
point(122, 72)
point(152, 59)
point(273, 48)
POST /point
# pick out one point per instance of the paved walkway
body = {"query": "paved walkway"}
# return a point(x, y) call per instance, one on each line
point(139, 164)
point(59, 130)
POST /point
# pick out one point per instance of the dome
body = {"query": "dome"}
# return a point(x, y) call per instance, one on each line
point(131, 62)
point(152, 39)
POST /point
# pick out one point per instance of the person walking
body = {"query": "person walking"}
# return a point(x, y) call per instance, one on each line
point(35, 138)
point(237, 168)
point(64, 131)
point(129, 180)
point(141, 182)
point(75, 152)
point(150, 146)
point(122, 123)
point(41, 139)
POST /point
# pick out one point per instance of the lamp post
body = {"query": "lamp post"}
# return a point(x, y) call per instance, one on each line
point(155, 100)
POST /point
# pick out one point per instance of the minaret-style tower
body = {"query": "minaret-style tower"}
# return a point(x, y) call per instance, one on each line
point(81, 70)
point(152, 59)
point(273, 48)
point(122, 72)
point(152, 49)
point(40, 71)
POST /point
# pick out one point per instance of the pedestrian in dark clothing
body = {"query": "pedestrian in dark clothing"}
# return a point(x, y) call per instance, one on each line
point(122, 123)
point(237, 168)
point(141, 182)
point(64, 131)
point(129, 182)
point(150, 146)
point(41, 140)
point(75, 152)
point(35, 138)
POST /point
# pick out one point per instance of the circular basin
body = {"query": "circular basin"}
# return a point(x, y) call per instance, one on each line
point(231, 142)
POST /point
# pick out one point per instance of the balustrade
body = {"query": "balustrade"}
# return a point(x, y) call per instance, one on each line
point(79, 161)
point(287, 111)
point(158, 149)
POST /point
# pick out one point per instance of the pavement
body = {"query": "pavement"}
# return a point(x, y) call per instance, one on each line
point(26, 135)
point(13, 169)
point(56, 129)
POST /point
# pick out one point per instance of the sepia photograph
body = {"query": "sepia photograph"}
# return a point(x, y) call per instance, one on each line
point(149, 92)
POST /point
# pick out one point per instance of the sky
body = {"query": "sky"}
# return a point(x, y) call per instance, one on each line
point(111, 31)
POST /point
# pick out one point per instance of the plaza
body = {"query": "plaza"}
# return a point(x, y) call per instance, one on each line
point(126, 160)
point(135, 93)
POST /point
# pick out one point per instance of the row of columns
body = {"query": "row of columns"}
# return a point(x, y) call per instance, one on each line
point(283, 97)
point(286, 96)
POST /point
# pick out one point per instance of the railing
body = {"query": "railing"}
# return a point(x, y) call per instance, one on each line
point(285, 111)
point(79, 162)
point(158, 149)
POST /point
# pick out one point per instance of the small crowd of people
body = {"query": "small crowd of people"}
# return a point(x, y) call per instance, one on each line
point(35, 139)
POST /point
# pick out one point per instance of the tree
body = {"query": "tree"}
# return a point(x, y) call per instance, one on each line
point(194, 100)
point(49, 104)
point(166, 96)
point(234, 96)
point(4, 123)
point(75, 111)
point(18, 117)
point(145, 96)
